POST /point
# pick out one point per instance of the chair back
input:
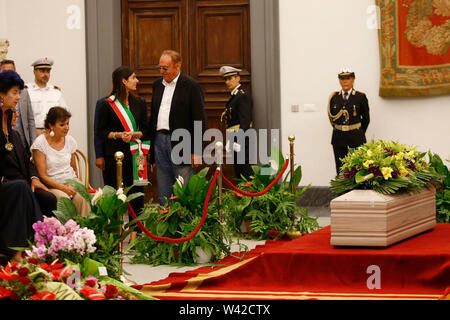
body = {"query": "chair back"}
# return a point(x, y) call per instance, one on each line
point(82, 163)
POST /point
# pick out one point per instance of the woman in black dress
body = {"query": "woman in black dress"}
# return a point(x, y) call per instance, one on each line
point(119, 137)
point(19, 209)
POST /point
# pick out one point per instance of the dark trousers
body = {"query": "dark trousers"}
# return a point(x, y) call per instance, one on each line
point(339, 153)
point(47, 201)
point(19, 211)
point(241, 162)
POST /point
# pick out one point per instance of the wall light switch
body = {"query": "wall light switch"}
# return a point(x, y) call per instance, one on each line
point(309, 107)
point(294, 108)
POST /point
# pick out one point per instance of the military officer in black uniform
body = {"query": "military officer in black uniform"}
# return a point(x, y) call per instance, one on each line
point(237, 115)
point(348, 111)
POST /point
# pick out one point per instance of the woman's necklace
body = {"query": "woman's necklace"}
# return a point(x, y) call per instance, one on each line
point(8, 146)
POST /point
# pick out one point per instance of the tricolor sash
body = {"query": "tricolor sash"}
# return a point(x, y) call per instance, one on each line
point(139, 149)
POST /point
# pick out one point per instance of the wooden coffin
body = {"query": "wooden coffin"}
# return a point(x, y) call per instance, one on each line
point(368, 218)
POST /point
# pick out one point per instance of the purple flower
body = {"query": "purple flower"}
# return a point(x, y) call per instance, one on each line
point(376, 171)
point(410, 165)
point(350, 174)
point(389, 152)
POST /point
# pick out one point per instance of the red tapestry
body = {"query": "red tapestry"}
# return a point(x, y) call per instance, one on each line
point(414, 47)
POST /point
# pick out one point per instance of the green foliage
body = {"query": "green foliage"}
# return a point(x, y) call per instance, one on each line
point(442, 189)
point(179, 220)
point(274, 211)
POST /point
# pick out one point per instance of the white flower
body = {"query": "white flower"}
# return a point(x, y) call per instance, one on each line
point(98, 195)
point(122, 197)
point(119, 191)
point(180, 181)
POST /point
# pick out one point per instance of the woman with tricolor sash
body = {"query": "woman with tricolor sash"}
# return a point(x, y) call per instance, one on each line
point(122, 125)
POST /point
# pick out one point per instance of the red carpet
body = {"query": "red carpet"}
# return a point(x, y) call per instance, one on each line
point(310, 268)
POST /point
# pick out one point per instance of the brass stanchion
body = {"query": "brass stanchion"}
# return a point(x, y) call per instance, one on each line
point(119, 156)
point(219, 160)
point(291, 160)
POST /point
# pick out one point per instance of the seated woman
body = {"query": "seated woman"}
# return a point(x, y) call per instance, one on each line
point(54, 157)
point(19, 209)
point(18, 166)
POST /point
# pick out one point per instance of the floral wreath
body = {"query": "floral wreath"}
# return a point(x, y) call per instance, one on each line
point(421, 31)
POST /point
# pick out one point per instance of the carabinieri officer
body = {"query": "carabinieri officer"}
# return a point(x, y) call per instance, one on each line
point(348, 111)
point(238, 115)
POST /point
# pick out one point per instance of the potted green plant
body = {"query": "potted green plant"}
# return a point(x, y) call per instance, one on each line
point(273, 214)
point(442, 189)
point(179, 220)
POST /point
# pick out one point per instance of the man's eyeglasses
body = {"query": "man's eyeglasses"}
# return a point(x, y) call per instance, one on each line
point(164, 68)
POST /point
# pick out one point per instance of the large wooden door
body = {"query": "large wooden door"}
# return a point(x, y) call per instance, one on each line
point(207, 33)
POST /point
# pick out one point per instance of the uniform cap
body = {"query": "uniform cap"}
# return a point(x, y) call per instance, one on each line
point(346, 72)
point(227, 71)
point(42, 63)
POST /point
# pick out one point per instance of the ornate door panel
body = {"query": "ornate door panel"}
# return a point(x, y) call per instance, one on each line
point(207, 33)
point(220, 35)
point(148, 28)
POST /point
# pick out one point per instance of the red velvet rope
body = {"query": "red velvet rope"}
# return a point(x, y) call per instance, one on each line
point(248, 194)
point(196, 230)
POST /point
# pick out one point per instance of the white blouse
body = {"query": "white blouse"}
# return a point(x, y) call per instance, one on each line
point(58, 162)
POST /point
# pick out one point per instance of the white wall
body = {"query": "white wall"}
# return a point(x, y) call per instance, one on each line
point(317, 38)
point(54, 29)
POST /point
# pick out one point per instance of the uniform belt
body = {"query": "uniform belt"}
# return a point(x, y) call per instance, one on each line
point(237, 127)
point(234, 128)
point(164, 131)
point(347, 127)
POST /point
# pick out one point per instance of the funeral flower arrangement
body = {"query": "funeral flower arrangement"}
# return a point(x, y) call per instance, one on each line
point(58, 267)
point(69, 241)
point(386, 167)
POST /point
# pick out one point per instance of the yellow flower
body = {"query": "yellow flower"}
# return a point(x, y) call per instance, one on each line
point(369, 153)
point(368, 163)
point(399, 156)
point(403, 171)
point(386, 171)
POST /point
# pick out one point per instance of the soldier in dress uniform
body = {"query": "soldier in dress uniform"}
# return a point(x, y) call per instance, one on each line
point(42, 94)
point(237, 115)
point(348, 111)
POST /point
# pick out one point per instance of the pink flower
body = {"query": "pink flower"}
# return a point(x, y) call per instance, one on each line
point(71, 226)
